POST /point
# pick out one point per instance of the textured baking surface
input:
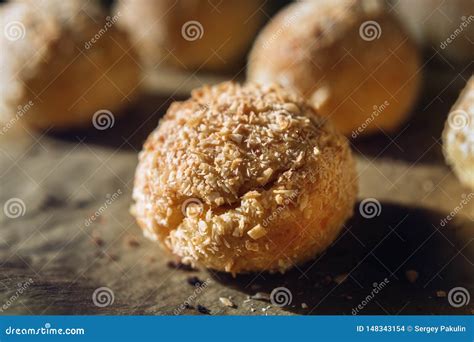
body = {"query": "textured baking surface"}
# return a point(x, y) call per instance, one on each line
point(64, 179)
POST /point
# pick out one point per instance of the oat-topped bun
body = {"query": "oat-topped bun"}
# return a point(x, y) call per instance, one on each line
point(64, 61)
point(348, 57)
point(244, 178)
point(192, 34)
point(458, 136)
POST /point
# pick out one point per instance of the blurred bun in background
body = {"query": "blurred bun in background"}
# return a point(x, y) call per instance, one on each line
point(191, 34)
point(458, 136)
point(447, 26)
point(350, 58)
point(61, 62)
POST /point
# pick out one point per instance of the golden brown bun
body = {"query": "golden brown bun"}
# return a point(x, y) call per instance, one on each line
point(445, 26)
point(244, 178)
point(348, 57)
point(458, 136)
point(49, 59)
point(191, 34)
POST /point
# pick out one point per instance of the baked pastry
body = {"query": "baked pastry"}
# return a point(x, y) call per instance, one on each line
point(244, 178)
point(458, 136)
point(191, 34)
point(444, 26)
point(65, 61)
point(350, 58)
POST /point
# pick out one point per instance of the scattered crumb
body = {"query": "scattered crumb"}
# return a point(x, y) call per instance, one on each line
point(261, 296)
point(339, 279)
point(304, 305)
point(440, 294)
point(257, 232)
point(97, 239)
point(202, 309)
point(195, 281)
point(252, 310)
point(227, 302)
point(411, 276)
point(132, 241)
point(178, 265)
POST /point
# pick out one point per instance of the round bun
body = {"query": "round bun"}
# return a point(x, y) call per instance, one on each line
point(458, 136)
point(444, 26)
point(63, 61)
point(191, 34)
point(349, 58)
point(244, 178)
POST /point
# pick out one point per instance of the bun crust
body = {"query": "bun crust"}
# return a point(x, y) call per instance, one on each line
point(458, 136)
point(51, 66)
point(191, 34)
point(347, 57)
point(244, 178)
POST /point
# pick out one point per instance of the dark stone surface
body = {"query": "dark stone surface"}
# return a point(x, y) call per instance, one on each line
point(63, 179)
